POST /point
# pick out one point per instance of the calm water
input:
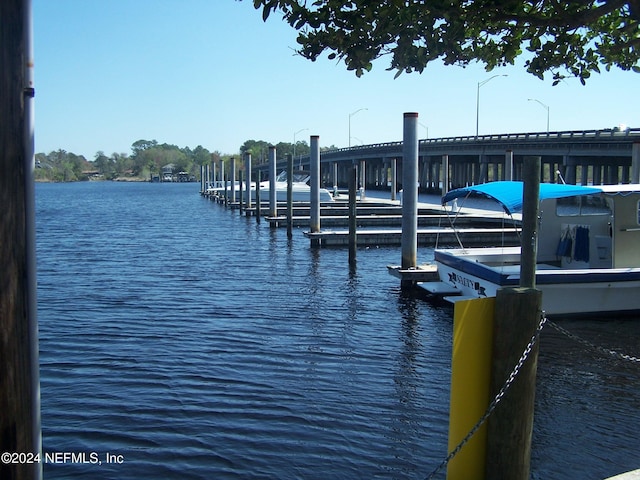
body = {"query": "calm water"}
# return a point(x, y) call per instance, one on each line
point(197, 344)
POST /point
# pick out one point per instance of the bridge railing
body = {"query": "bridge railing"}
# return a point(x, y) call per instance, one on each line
point(567, 134)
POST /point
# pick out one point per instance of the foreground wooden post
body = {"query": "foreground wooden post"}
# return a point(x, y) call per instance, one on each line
point(409, 237)
point(509, 428)
point(530, 209)
point(19, 379)
point(517, 315)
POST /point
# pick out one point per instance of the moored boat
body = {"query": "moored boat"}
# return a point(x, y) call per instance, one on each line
point(300, 188)
point(588, 251)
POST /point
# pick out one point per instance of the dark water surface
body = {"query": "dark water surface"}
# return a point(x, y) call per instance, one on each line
point(197, 344)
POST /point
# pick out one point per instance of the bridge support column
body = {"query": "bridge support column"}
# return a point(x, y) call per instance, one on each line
point(597, 174)
point(584, 177)
point(445, 174)
point(635, 163)
point(334, 169)
point(508, 165)
point(612, 174)
point(394, 176)
point(483, 173)
point(496, 171)
point(570, 169)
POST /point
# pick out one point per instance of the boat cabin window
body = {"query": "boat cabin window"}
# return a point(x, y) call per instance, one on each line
point(583, 205)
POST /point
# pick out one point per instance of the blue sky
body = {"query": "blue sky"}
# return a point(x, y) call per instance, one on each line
point(212, 73)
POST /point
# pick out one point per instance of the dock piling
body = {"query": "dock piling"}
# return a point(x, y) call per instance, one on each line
point(410, 191)
point(273, 199)
point(315, 184)
point(247, 168)
point(289, 195)
point(353, 240)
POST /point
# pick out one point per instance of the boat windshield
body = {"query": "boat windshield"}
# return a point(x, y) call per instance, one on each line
point(584, 205)
point(299, 176)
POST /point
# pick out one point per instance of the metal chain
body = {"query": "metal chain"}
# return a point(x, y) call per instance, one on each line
point(492, 406)
point(605, 351)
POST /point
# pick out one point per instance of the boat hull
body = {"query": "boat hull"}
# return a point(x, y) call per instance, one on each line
point(476, 273)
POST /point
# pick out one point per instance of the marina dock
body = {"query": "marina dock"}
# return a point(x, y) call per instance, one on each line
point(379, 222)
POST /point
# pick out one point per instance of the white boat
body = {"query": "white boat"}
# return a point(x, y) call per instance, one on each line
point(588, 251)
point(300, 189)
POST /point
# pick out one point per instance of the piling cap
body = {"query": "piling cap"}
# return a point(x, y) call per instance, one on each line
point(410, 114)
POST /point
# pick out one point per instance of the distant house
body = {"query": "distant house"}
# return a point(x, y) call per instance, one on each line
point(167, 172)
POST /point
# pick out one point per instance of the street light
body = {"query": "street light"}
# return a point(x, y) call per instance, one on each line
point(546, 107)
point(351, 115)
point(478, 98)
point(425, 127)
point(294, 146)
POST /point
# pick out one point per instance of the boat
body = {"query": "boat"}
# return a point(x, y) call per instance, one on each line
point(588, 250)
point(300, 188)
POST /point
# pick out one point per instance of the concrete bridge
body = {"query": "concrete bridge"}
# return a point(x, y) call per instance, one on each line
point(592, 156)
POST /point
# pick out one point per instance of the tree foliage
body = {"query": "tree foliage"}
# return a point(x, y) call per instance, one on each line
point(573, 38)
point(147, 158)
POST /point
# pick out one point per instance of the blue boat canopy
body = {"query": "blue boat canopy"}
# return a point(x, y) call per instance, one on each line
point(509, 194)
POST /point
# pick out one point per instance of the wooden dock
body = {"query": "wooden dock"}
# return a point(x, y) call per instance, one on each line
point(379, 222)
point(444, 236)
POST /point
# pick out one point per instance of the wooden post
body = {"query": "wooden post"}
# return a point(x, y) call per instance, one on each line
point(258, 180)
point(226, 194)
point(289, 195)
point(241, 202)
point(314, 169)
point(530, 202)
point(19, 395)
point(273, 195)
point(222, 172)
point(233, 180)
point(353, 239)
point(247, 168)
point(509, 428)
point(517, 314)
point(409, 237)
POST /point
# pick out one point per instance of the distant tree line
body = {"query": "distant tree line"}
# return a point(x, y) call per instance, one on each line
point(147, 159)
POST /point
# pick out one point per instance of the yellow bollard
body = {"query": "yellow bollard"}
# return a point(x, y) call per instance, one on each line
point(470, 380)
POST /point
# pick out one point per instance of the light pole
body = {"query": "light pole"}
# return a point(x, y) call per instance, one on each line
point(478, 99)
point(294, 145)
point(351, 115)
point(546, 107)
point(425, 127)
